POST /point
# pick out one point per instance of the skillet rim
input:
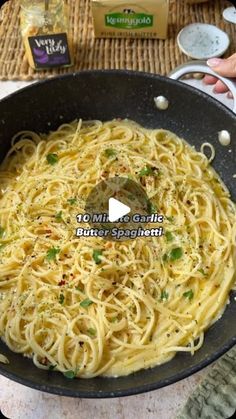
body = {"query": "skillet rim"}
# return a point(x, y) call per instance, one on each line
point(122, 72)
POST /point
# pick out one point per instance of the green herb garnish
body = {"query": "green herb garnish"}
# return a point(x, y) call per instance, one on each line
point(97, 256)
point(170, 219)
point(169, 236)
point(146, 171)
point(69, 374)
point(92, 331)
point(52, 158)
point(176, 253)
point(58, 216)
point(2, 246)
point(110, 152)
point(2, 231)
point(86, 303)
point(72, 201)
point(164, 295)
point(188, 294)
point(202, 271)
point(152, 209)
point(52, 367)
point(79, 289)
point(105, 226)
point(113, 319)
point(165, 257)
point(131, 197)
point(61, 298)
point(52, 253)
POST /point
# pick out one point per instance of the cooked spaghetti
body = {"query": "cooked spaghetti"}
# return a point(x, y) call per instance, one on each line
point(86, 306)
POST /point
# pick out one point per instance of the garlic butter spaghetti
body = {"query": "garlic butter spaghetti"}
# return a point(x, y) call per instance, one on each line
point(86, 306)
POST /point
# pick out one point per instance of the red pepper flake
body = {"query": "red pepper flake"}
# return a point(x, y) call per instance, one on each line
point(104, 174)
point(44, 361)
point(62, 282)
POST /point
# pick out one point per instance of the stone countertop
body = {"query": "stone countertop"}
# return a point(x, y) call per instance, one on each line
point(18, 401)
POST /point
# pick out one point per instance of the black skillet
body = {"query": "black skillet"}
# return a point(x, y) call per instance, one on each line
point(105, 95)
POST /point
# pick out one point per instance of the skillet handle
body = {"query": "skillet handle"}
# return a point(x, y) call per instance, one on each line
point(202, 67)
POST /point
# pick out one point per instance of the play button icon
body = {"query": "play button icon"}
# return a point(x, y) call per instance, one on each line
point(117, 210)
point(112, 203)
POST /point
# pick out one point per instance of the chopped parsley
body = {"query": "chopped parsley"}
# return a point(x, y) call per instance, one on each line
point(188, 294)
point(113, 319)
point(165, 257)
point(202, 271)
point(58, 216)
point(52, 158)
point(2, 246)
point(79, 289)
point(72, 201)
point(92, 331)
point(146, 171)
point(86, 303)
point(169, 236)
point(2, 231)
point(176, 253)
point(164, 295)
point(97, 256)
point(52, 367)
point(69, 374)
point(152, 209)
point(105, 226)
point(170, 219)
point(110, 152)
point(131, 197)
point(52, 253)
point(61, 299)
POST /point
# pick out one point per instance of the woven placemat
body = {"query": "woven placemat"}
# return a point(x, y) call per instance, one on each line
point(156, 56)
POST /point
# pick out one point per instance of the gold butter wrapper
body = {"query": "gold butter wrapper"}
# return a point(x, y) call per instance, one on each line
point(131, 19)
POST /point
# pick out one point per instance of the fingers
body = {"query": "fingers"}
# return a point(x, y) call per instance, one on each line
point(224, 67)
point(209, 79)
point(220, 87)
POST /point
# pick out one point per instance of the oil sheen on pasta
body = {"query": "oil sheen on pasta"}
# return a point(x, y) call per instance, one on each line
point(86, 306)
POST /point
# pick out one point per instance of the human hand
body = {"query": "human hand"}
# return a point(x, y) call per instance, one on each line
point(224, 67)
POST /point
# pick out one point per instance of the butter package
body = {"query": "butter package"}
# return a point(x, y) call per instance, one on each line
point(130, 19)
